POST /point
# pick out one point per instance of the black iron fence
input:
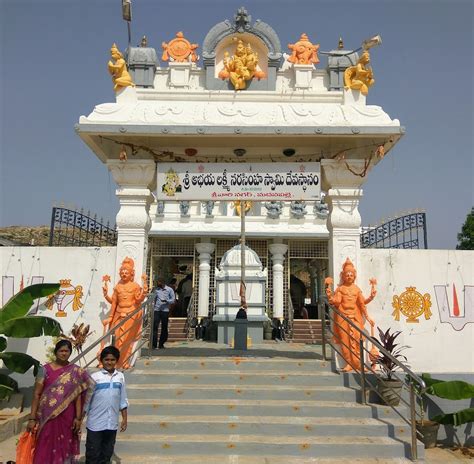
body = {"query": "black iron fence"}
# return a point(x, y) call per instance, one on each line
point(70, 227)
point(407, 231)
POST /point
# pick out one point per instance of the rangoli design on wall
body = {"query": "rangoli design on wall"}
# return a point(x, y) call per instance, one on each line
point(450, 311)
point(411, 304)
point(66, 295)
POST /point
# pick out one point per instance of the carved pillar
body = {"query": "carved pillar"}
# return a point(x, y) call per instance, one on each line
point(205, 251)
point(344, 192)
point(278, 251)
point(134, 179)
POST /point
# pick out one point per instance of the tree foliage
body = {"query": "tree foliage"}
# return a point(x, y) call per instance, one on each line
point(451, 390)
point(466, 236)
point(15, 322)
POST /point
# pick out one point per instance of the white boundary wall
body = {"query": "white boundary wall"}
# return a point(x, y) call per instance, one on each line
point(84, 266)
point(436, 346)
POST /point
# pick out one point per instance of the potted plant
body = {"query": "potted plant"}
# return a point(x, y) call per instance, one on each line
point(428, 429)
point(446, 389)
point(389, 387)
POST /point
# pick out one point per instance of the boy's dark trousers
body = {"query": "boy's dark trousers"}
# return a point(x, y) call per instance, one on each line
point(160, 317)
point(100, 446)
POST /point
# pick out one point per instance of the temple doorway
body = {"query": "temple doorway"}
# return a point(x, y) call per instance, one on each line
point(308, 267)
point(174, 261)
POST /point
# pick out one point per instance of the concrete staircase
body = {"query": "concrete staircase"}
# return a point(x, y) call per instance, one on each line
point(177, 330)
point(272, 407)
point(307, 331)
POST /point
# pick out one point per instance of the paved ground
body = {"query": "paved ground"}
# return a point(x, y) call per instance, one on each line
point(433, 456)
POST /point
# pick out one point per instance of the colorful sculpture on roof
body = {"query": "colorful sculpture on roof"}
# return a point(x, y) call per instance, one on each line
point(126, 298)
point(303, 51)
point(242, 67)
point(118, 70)
point(350, 301)
point(360, 77)
point(179, 49)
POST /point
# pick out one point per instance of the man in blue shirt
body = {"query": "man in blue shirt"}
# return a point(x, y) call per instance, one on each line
point(164, 297)
point(108, 400)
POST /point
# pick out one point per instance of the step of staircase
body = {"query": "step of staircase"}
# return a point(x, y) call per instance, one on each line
point(177, 330)
point(236, 459)
point(307, 331)
point(278, 408)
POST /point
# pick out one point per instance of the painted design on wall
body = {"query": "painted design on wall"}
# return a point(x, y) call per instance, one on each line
point(411, 304)
point(450, 311)
point(66, 295)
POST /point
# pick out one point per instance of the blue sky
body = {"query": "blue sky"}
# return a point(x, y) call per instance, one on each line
point(54, 55)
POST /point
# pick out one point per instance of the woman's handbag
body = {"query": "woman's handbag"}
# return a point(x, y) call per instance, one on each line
point(26, 448)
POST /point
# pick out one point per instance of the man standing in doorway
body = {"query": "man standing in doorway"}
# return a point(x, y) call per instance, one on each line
point(164, 297)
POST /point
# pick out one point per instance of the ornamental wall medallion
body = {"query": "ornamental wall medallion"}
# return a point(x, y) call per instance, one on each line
point(411, 304)
point(179, 49)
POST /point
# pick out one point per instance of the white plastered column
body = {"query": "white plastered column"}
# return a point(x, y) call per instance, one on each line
point(134, 178)
point(278, 251)
point(205, 250)
point(343, 195)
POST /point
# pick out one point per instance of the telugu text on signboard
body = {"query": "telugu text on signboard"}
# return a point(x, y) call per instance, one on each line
point(235, 181)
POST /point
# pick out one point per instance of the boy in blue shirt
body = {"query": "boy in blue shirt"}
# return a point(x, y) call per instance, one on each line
point(108, 399)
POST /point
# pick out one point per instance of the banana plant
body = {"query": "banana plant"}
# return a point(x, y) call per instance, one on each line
point(16, 323)
point(451, 390)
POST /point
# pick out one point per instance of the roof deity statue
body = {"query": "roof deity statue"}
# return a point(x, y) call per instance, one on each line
point(360, 77)
point(118, 69)
point(242, 67)
point(304, 51)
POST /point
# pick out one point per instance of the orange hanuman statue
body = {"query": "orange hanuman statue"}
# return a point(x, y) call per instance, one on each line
point(350, 301)
point(126, 298)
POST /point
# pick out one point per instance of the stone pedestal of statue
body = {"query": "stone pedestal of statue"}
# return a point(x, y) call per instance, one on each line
point(303, 75)
point(179, 73)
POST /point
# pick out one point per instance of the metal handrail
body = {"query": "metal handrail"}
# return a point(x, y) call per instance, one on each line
point(111, 331)
point(291, 316)
point(189, 315)
point(382, 349)
point(413, 378)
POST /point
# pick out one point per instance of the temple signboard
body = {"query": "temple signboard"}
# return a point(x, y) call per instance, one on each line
point(236, 181)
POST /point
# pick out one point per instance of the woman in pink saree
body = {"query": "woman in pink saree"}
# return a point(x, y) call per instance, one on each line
point(61, 392)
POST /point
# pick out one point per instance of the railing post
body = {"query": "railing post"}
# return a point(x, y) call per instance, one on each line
point(362, 371)
point(323, 329)
point(414, 448)
point(152, 323)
